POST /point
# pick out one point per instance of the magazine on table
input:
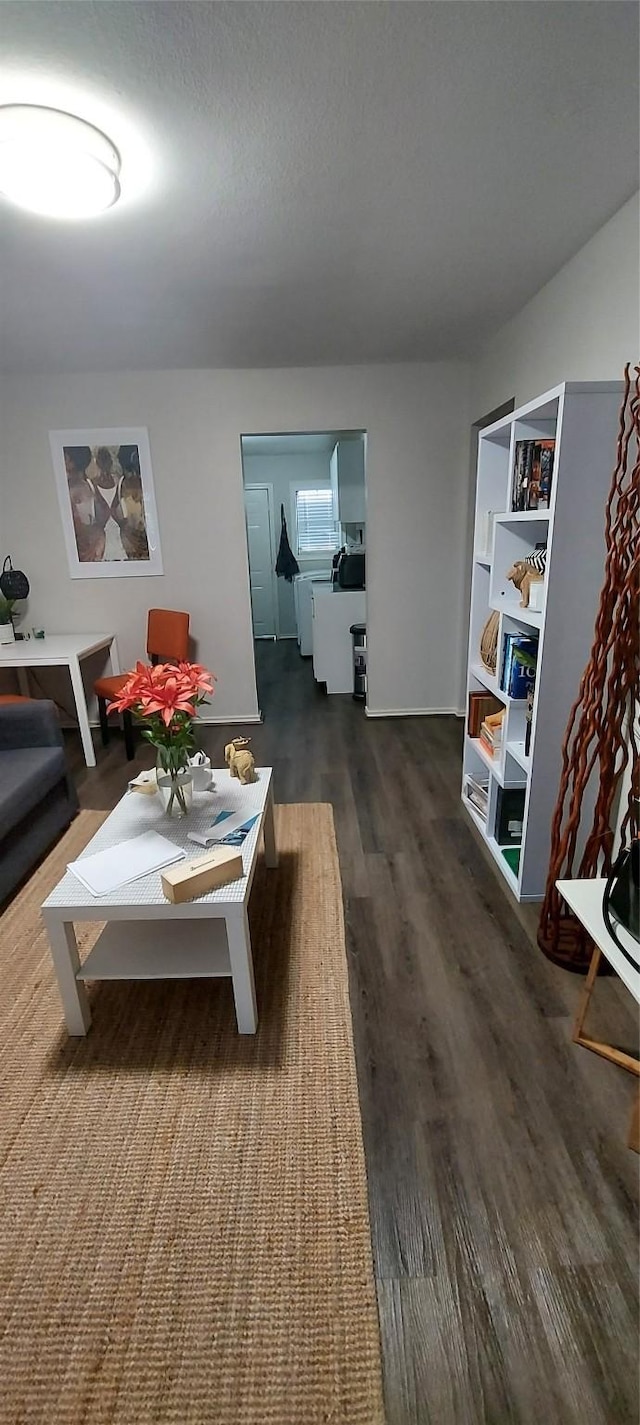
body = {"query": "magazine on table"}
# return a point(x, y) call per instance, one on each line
point(231, 828)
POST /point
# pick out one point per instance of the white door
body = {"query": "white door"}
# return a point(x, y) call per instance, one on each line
point(261, 571)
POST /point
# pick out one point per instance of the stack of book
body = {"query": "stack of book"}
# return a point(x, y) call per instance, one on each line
point(477, 792)
point(519, 659)
point(481, 705)
point(532, 474)
point(491, 737)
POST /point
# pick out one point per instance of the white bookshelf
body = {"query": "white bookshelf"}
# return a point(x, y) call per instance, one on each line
point(582, 418)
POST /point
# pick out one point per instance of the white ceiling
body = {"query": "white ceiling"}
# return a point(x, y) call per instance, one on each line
point(314, 183)
point(294, 444)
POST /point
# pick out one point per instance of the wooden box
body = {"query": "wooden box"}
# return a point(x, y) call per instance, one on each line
point(192, 878)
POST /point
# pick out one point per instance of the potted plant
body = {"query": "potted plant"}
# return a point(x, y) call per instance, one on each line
point(164, 699)
point(7, 634)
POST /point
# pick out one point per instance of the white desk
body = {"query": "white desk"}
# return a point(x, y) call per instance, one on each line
point(62, 650)
point(584, 898)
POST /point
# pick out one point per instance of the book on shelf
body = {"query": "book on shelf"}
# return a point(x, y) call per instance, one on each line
point(491, 738)
point(480, 706)
point(519, 659)
point(532, 475)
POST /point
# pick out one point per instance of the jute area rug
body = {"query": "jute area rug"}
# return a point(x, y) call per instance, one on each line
point(184, 1230)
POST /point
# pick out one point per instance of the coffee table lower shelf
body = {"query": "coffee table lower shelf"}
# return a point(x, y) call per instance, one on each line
point(155, 950)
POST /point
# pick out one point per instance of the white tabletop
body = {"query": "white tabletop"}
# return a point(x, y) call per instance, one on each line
point(136, 813)
point(585, 899)
point(55, 648)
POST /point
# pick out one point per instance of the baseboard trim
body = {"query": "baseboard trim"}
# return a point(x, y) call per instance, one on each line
point(413, 712)
point(232, 718)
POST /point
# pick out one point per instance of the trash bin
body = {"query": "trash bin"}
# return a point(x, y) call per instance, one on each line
point(358, 632)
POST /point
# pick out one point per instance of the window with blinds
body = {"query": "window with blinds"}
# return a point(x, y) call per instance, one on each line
point(316, 529)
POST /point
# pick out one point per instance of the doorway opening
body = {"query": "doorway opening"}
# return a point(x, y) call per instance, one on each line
point(310, 488)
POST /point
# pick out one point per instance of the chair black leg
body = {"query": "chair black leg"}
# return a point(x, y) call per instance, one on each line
point(127, 724)
point(104, 721)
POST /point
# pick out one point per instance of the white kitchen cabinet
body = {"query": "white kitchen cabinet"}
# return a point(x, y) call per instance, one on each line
point(347, 481)
point(333, 613)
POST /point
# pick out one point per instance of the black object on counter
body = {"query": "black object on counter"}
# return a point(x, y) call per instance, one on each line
point(351, 571)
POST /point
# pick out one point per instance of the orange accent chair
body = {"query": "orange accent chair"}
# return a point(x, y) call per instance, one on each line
point(13, 698)
point(167, 640)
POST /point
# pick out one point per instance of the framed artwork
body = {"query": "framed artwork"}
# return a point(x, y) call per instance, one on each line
point(107, 502)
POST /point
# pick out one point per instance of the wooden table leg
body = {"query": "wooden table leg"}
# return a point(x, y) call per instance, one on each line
point(586, 994)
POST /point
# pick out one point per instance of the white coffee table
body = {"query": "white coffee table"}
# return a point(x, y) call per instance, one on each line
point(146, 937)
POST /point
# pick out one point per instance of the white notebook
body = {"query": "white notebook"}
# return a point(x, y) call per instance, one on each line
point(106, 870)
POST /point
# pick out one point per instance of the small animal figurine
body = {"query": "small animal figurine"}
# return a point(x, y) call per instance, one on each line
point(240, 761)
point(523, 575)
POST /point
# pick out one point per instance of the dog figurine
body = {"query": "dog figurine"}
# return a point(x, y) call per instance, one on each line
point(240, 761)
point(523, 575)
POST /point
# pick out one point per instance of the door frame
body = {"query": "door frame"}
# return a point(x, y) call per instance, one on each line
point(268, 486)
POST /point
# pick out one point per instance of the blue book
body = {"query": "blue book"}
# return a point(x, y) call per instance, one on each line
point(521, 674)
point(507, 659)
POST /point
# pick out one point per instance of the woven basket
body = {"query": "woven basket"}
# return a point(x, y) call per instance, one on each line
point(489, 642)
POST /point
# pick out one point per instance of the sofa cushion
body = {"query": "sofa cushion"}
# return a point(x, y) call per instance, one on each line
point(26, 775)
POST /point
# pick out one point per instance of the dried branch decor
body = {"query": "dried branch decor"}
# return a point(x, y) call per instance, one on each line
point(601, 733)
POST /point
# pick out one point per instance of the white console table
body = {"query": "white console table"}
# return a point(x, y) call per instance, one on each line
point(584, 898)
point(65, 650)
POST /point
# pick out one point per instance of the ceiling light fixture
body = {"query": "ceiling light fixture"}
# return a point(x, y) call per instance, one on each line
point(56, 164)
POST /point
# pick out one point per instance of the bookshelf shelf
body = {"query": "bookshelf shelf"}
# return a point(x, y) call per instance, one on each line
point(582, 420)
point(488, 680)
point(523, 516)
point(532, 617)
point(516, 750)
point(496, 766)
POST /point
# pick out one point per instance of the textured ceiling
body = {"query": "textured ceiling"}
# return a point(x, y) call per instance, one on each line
point(313, 183)
point(321, 444)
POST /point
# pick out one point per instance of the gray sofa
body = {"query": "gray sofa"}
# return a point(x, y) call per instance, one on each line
point(37, 797)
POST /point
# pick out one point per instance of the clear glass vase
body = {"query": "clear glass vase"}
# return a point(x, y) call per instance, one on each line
point(175, 782)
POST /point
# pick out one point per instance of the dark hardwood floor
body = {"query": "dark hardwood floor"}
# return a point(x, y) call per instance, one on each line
point(503, 1198)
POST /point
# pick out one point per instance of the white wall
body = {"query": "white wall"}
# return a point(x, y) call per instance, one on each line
point(417, 419)
point(582, 326)
point(280, 471)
